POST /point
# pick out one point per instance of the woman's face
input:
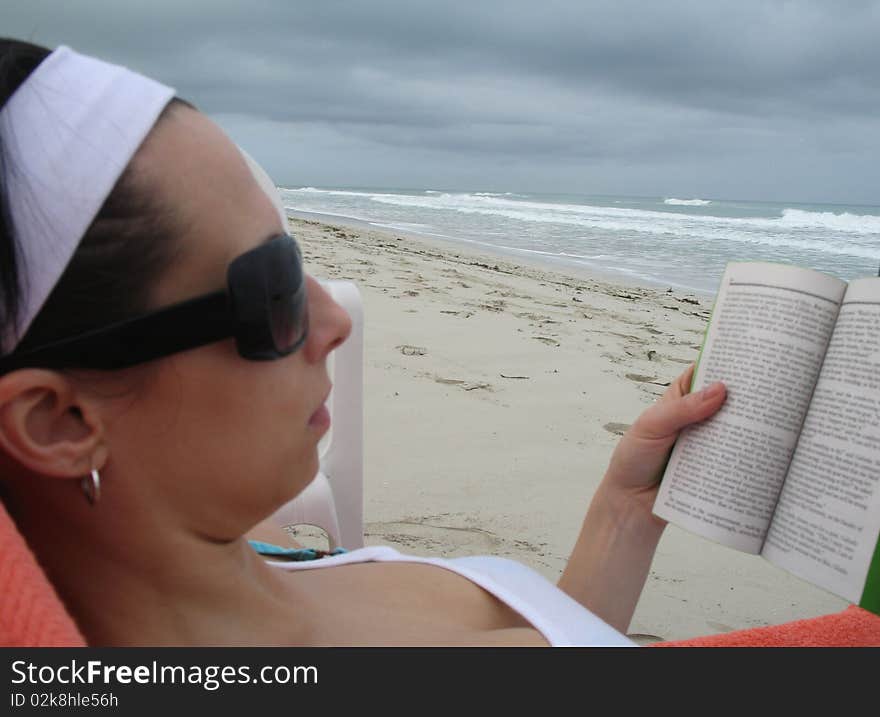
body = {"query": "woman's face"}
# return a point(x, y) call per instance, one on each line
point(216, 440)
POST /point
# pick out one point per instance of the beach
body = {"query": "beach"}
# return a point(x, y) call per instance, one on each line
point(495, 392)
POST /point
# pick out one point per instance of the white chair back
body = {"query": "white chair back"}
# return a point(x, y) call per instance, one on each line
point(334, 500)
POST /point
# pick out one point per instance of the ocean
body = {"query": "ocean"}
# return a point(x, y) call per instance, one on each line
point(681, 242)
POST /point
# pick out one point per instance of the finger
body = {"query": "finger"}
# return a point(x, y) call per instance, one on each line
point(680, 386)
point(686, 379)
point(666, 418)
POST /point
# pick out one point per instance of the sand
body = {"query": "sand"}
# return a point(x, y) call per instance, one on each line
point(494, 394)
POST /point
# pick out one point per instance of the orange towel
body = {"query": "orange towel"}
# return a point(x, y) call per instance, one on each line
point(853, 627)
point(31, 613)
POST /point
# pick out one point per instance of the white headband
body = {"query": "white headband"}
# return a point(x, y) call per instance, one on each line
point(68, 133)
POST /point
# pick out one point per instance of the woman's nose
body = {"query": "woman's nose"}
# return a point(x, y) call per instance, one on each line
point(329, 323)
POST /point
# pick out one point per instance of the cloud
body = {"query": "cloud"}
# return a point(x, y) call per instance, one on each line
point(703, 92)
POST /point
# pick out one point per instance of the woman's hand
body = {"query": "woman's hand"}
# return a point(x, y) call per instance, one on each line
point(638, 461)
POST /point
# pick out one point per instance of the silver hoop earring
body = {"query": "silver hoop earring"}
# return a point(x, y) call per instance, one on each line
point(91, 486)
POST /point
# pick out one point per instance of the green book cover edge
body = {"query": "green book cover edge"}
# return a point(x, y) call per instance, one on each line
point(871, 594)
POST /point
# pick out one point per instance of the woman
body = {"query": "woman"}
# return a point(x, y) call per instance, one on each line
point(165, 366)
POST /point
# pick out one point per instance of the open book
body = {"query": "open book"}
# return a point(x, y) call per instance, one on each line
point(789, 468)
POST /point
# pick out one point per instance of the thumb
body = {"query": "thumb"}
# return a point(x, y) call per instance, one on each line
point(668, 416)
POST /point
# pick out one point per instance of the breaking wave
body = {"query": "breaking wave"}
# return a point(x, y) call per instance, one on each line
point(687, 202)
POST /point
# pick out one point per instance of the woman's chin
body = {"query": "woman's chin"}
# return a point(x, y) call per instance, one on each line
point(305, 477)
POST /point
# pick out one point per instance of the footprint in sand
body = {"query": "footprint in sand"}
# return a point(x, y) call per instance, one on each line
point(531, 317)
point(639, 378)
point(426, 532)
point(408, 350)
point(495, 306)
point(466, 385)
point(448, 381)
point(617, 428)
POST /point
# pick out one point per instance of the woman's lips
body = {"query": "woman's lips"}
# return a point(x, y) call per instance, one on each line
point(321, 418)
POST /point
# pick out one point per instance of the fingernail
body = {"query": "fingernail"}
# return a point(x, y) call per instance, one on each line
point(712, 391)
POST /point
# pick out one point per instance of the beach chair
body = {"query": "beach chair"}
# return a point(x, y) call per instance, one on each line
point(334, 500)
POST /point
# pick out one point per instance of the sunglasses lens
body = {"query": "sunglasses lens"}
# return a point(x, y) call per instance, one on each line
point(289, 319)
point(267, 286)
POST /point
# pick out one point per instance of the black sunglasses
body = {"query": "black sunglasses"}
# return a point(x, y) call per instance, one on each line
point(264, 308)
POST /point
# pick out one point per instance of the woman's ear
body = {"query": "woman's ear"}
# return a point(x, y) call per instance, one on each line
point(48, 426)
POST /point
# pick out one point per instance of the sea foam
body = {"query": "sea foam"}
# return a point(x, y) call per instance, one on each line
point(687, 202)
point(843, 222)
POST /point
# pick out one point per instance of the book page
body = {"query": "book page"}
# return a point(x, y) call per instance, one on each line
point(767, 336)
point(828, 518)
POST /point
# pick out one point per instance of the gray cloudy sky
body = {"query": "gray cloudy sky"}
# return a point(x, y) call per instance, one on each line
point(757, 100)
